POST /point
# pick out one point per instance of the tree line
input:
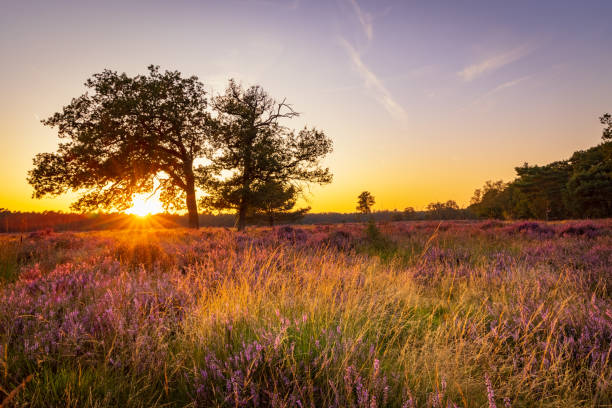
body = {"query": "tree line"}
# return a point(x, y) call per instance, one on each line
point(579, 187)
point(163, 132)
point(29, 221)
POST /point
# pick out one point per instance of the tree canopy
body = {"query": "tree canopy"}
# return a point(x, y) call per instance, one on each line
point(274, 202)
point(365, 201)
point(579, 187)
point(255, 151)
point(124, 135)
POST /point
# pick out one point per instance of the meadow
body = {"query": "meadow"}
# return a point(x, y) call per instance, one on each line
point(402, 314)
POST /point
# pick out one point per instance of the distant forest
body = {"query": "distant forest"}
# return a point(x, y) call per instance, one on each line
point(15, 221)
point(580, 187)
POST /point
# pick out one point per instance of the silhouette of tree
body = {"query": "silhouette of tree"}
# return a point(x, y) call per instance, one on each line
point(365, 201)
point(274, 201)
point(606, 119)
point(444, 211)
point(589, 188)
point(491, 201)
point(409, 213)
point(545, 188)
point(450, 204)
point(127, 133)
point(253, 148)
point(579, 187)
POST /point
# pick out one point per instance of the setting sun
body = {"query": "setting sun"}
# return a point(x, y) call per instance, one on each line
point(144, 204)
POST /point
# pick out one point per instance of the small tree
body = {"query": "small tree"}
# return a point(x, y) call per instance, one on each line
point(274, 202)
point(254, 149)
point(124, 134)
point(365, 201)
point(409, 213)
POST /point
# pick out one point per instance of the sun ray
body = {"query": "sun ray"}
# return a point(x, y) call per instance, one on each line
point(145, 204)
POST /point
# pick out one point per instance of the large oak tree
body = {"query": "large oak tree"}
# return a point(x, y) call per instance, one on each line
point(124, 134)
point(254, 149)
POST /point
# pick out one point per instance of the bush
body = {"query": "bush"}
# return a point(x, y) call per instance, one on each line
point(342, 240)
point(531, 228)
point(292, 235)
point(587, 230)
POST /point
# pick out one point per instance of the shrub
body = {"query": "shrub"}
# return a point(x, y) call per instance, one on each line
point(531, 228)
point(583, 229)
point(291, 235)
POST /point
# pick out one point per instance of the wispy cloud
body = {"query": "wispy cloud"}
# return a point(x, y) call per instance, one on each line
point(509, 84)
point(373, 83)
point(492, 63)
point(501, 87)
point(365, 19)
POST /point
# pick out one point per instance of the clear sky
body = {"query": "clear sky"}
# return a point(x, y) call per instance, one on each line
point(425, 100)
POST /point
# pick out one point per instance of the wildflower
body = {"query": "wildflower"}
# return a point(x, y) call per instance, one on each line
point(490, 394)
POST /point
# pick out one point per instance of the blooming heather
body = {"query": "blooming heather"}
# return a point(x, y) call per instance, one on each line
point(455, 314)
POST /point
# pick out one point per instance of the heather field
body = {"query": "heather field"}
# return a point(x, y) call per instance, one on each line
point(404, 314)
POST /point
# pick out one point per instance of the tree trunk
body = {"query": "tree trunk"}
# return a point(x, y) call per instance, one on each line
point(192, 205)
point(245, 199)
point(192, 208)
point(241, 217)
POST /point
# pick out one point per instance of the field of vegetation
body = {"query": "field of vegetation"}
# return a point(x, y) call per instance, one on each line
point(404, 314)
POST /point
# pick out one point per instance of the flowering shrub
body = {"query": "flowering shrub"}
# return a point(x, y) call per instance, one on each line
point(340, 239)
point(442, 315)
point(531, 228)
point(77, 311)
point(293, 235)
point(273, 372)
point(586, 229)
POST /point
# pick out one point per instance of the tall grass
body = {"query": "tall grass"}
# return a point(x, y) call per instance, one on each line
point(9, 265)
point(403, 314)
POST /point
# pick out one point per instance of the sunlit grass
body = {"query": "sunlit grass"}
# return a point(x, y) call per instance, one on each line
point(407, 313)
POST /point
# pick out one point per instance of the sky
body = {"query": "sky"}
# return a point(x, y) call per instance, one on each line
point(424, 100)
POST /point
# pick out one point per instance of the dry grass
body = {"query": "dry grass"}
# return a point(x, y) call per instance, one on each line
point(405, 314)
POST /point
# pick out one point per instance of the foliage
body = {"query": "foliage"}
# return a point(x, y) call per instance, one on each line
point(365, 201)
point(489, 202)
point(409, 213)
point(254, 151)
point(606, 119)
point(589, 188)
point(376, 243)
point(273, 202)
point(544, 188)
point(443, 211)
point(126, 134)
point(580, 187)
